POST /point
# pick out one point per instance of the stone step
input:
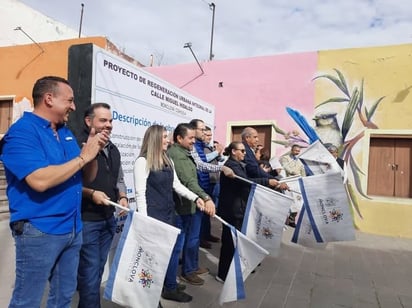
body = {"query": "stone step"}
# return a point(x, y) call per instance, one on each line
point(4, 202)
point(4, 206)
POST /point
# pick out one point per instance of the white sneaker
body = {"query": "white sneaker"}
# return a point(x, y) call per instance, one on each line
point(219, 279)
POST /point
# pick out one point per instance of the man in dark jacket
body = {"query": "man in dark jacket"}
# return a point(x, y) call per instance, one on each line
point(233, 199)
point(99, 223)
point(250, 140)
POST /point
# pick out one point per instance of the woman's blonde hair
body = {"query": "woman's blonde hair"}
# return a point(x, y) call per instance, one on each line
point(152, 148)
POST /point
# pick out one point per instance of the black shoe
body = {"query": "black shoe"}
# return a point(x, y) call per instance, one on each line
point(177, 296)
point(160, 305)
point(181, 286)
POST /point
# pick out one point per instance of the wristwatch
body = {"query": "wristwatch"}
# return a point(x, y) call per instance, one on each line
point(207, 198)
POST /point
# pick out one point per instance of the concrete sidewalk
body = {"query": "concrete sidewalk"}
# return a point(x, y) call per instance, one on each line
point(373, 271)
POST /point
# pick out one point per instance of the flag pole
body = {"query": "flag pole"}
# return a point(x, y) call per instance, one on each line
point(118, 206)
point(251, 182)
point(222, 221)
point(127, 209)
point(290, 178)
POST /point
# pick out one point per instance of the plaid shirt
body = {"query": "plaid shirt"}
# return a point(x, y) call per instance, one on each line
point(203, 166)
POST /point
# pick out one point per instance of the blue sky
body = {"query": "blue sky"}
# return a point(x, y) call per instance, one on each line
point(242, 28)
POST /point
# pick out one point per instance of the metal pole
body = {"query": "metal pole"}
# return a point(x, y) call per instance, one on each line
point(21, 29)
point(189, 45)
point(213, 7)
point(81, 20)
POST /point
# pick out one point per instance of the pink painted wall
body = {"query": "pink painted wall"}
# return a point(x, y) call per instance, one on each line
point(253, 89)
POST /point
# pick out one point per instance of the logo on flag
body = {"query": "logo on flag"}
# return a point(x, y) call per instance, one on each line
point(265, 216)
point(140, 263)
point(325, 216)
point(146, 278)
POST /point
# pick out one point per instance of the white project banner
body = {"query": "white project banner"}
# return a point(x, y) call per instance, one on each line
point(139, 99)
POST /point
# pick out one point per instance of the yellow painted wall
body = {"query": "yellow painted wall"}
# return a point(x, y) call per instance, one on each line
point(386, 71)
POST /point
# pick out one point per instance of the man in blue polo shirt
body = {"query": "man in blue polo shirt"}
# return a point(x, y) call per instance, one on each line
point(42, 162)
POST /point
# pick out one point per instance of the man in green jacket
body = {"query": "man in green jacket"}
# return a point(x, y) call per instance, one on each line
point(185, 167)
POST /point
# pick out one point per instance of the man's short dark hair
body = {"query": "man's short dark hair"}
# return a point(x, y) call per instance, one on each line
point(90, 110)
point(195, 122)
point(44, 85)
point(181, 130)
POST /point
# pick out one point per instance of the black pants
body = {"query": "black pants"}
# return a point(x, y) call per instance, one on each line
point(227, 249)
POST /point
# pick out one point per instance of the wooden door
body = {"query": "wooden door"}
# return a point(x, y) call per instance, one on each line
point(381, 173)
point(403, 157)
point(6, 114)
point(264, 134)
point(390, 162)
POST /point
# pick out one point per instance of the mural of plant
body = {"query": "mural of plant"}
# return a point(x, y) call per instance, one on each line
point(290, 138)
point(355, 109)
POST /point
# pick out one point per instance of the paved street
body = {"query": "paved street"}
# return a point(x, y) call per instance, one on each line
point(373, 271)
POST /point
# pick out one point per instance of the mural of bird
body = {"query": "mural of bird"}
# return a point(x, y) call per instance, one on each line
point(327, 128)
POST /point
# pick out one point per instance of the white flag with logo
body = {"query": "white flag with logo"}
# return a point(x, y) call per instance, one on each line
point(140, 263)
point(325, 215)
point(294, 192)
point(319, 160)
point(120, 220)
point(303, 233)
point(246, 257)
point(265, 217)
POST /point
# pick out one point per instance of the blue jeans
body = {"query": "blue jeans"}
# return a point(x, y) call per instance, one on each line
point(41, 257)
point(215, 194)
point(183, 223)
point(97, 239)
point(190, 259)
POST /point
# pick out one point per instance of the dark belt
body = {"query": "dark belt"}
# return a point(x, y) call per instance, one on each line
point(18, 226)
